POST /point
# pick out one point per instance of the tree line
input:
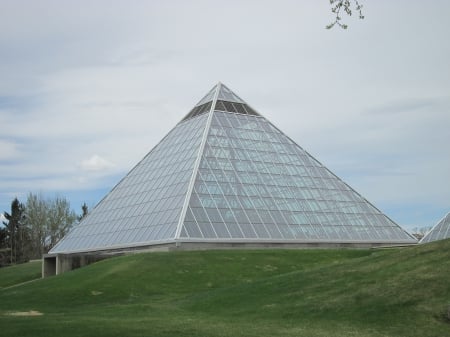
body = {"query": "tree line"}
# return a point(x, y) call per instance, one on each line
point(34, 227)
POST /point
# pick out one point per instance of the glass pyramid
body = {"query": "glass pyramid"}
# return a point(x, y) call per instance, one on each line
point(440, 231)
point(225, 174)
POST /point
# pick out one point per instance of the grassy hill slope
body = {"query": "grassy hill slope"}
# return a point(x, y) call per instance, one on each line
point(395, 292)
point(13, 275)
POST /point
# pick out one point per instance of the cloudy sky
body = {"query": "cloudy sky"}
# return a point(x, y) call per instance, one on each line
point(87, 88)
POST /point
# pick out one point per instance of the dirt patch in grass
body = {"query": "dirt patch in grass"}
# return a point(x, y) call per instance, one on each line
point(25, 313)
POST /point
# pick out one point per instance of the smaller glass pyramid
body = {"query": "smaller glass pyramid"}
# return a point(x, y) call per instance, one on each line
point(440, 231)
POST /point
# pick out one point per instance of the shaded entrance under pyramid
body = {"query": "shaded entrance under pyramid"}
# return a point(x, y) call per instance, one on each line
point(225, 175)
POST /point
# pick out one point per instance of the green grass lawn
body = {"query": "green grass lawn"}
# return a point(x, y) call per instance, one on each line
point(24, 272)
point(393, 292)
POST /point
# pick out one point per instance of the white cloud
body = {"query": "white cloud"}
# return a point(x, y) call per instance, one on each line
point(96, 163)
point(8, 150)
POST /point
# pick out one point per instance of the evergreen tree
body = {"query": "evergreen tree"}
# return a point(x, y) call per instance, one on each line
point(16, 234)
point(4, 251)
point(84, 209)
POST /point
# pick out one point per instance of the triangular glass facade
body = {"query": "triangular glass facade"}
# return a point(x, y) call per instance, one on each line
point(226, 174)
point(440, 231)
point(255, 183)
point(146, 205)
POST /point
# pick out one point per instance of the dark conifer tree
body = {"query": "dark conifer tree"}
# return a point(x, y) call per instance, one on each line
point(16, 233)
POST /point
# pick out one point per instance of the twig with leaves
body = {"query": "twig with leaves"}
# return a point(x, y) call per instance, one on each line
point(346, 5)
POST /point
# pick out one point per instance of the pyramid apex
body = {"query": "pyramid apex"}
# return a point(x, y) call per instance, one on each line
point(221, 98)
point(223, 94)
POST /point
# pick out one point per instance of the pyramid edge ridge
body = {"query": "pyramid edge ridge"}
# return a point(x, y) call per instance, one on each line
point(197, 164)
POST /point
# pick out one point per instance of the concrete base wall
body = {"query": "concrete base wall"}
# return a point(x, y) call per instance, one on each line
point(60, 263)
